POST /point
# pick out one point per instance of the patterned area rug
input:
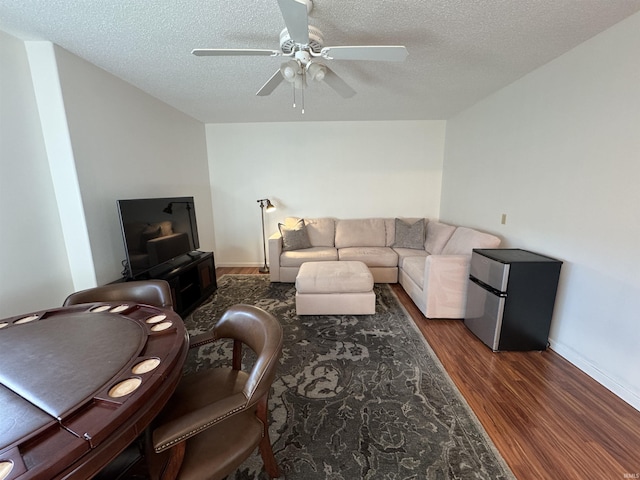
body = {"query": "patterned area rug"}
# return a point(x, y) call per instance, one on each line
point(356, 397)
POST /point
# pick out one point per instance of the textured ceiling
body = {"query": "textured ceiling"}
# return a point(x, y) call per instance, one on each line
point(460, 51)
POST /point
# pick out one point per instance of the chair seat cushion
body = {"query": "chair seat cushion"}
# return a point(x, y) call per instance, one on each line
point(216, 452)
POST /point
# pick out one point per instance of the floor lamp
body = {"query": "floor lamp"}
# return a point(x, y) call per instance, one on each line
point(265, 203)
point(169, 209)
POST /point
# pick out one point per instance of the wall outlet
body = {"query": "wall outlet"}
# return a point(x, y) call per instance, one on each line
point(503, 221)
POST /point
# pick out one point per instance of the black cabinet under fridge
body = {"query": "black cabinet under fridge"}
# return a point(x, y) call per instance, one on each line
point(510, 298)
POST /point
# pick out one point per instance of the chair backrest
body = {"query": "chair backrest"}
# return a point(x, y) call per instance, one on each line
point(261, 332)
point(150, 292)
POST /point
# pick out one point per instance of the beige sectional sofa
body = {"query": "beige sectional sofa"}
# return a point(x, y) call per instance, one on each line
point(429, 259)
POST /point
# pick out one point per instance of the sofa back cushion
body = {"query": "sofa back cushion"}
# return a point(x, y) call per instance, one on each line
point(360, 232)
point(438, 234)
point(390, 231)
point(464, 240)
point(321, 231)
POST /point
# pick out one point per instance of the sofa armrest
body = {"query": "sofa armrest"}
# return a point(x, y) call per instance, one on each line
point(445, 285)
point(274, 252)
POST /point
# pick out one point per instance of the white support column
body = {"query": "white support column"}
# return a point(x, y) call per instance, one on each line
point(48, 92)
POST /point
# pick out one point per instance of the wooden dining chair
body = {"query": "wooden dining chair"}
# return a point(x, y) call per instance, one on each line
point(217, 417)
point(150, 292)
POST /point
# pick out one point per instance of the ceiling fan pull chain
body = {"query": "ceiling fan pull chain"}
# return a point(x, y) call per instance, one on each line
point(293, 87)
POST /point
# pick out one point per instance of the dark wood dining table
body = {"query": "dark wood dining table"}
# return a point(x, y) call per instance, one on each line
point(79, 384)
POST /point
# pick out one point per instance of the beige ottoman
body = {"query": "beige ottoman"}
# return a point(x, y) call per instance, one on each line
point(334, 288)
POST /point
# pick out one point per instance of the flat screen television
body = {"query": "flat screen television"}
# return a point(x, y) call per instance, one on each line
point(157, 231)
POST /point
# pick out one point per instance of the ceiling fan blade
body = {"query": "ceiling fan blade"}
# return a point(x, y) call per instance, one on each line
point(233, 52)
point(296, 19)
point(271, 84)
point(380, 53)
point(339, 85)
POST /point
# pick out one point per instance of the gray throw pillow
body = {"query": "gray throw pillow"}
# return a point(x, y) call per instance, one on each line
point(409, 235)
point(294, 237)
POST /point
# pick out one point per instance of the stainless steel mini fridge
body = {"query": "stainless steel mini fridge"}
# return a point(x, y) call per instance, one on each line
point(510, 298)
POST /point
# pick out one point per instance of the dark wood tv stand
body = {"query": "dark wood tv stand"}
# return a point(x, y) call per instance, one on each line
point(192, 278)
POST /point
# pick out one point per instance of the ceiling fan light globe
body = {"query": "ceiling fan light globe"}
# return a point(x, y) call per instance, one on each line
point(316, 71)
point(289, 73)
point(289, 70)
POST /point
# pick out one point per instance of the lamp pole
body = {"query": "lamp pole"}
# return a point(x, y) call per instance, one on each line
point(169, 209)
point(264, 203)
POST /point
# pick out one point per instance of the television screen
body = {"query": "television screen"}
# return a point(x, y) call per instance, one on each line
point(156, 230)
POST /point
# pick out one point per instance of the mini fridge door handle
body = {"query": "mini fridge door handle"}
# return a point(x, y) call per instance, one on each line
point(488, 288)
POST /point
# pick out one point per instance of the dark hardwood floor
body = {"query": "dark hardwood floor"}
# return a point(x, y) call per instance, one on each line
point(548, 419)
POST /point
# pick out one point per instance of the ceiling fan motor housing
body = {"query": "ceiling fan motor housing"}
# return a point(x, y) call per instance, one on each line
point(316, 41)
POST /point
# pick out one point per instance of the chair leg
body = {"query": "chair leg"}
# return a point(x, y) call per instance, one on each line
point(270, 464)
point(165, 465)
point(172, 468)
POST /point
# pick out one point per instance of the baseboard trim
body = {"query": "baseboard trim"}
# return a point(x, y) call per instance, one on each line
point(594, 372)
point(239, 265)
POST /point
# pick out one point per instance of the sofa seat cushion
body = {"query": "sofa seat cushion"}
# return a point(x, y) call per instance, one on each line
point(370, 256)
point(464, 240)
point(360, 231)
point(408, 252)
point(413, 267)
point(295, 258)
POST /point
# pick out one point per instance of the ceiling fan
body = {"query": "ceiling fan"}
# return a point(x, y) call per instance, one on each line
point(304, 45)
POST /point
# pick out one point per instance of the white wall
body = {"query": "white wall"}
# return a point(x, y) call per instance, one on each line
point(313, 169)
point(122, 143)
point(128, 144)
point(34, 270)
point(559, 152)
